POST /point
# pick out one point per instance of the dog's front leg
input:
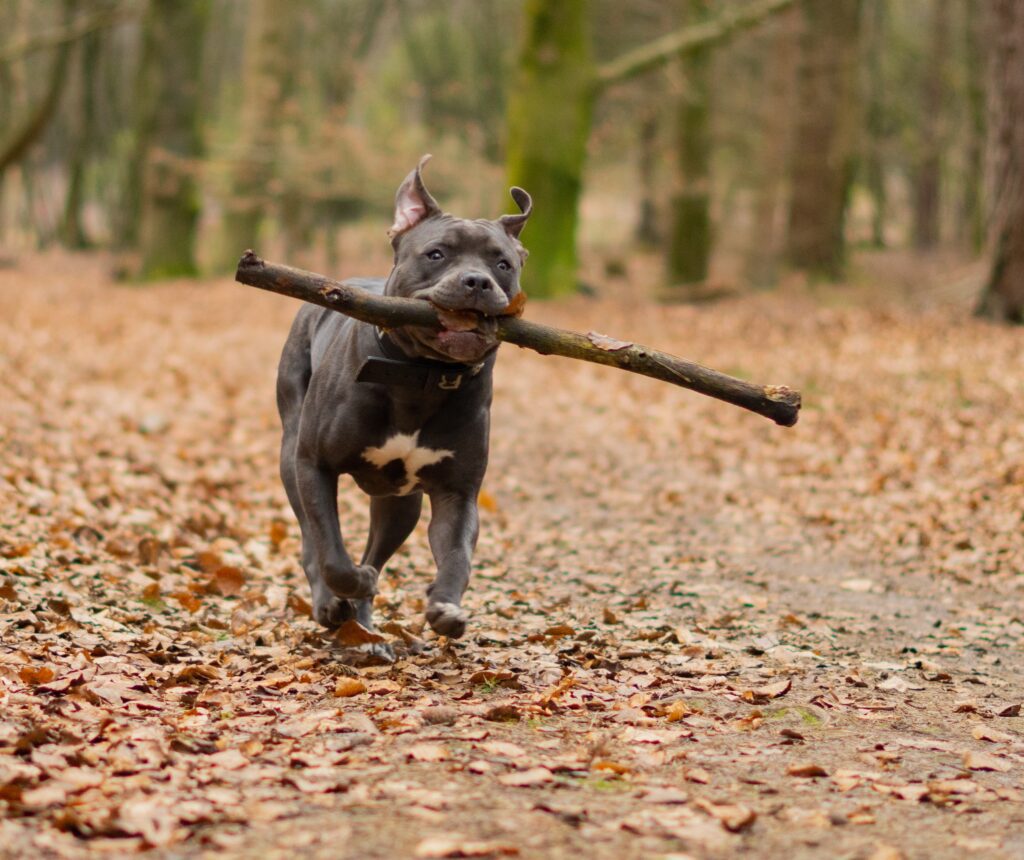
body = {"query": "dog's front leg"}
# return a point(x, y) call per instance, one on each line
point(318, 492)
point(453, 532)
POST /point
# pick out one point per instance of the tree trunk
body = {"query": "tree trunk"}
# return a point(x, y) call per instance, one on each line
point(550, 110)
point(774, 148)
point(971, 220)
point(267, 67)
point(72, 233)
point(1003, 297)
point(647, 230)
point(876, 119)
point(823, 162)
point(928, 174)
point(549, 114)
point(170, 136)
point(16, 144)
point(689, 239)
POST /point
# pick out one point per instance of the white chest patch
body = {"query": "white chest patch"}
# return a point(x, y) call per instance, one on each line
point(405, 447)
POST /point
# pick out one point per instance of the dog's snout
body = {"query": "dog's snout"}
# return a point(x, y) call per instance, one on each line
point(477, 281)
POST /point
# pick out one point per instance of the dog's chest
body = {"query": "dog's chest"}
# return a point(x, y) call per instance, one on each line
point(400, 458)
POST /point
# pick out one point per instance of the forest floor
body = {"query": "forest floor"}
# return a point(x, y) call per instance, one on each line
point(694, 634)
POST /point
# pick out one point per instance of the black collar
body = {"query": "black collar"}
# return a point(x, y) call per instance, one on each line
point(395, 368)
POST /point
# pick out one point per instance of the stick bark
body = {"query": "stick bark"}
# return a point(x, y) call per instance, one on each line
point(777, 402)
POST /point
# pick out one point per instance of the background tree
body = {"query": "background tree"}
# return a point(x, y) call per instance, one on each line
point(269, 67)
point(931, 144)
point(689, 238)
point(823, 162)
point(169, 138)
point(551, 109)
point(1003, 297)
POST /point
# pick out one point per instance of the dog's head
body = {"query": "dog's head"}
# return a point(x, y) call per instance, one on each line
point(456, 264)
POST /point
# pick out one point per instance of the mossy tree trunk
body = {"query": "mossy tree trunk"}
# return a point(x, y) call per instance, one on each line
point(549, 115)
point(170, 136)
point(823, 161)
point(550, 111)
point(689, 240)
point(268, 67)
point(1003, 297)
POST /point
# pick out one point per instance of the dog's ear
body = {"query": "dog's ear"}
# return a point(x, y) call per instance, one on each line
point(514, 224)
point(413, 202)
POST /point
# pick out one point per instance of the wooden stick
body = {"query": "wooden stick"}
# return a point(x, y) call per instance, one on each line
point(777, 402)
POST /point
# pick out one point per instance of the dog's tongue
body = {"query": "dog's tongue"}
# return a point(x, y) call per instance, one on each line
point(466, 335)
point(462, 345)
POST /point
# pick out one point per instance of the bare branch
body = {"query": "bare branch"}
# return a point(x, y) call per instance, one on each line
point(661, 50)
point(59, 36)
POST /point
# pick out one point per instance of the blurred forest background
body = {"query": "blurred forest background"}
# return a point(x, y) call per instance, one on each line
point(729, 141)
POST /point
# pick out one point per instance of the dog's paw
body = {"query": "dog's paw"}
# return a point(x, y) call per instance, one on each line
point(331, 611)
point(354, 583)
point(378, 653)
point(447, 619)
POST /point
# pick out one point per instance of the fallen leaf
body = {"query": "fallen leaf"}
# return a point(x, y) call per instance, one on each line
point(351, 633)
point(612, 766)
point(456, 845)
point(346, 687)
point(427, 752)
point(985, 761)
point(984, 733)
point(227, 581)
point(188, 601)
point(806, 769)
point(734, 817)
point(527, 778)
point(760, 695)
point(34, 675)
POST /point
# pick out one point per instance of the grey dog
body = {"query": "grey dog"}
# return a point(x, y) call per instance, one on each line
point(404, 412)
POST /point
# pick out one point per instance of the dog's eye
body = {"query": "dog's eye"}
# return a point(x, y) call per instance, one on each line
point(435, 254)
point(504, 265)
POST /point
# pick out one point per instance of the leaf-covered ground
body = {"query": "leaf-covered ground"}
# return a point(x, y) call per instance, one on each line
point(694, 633)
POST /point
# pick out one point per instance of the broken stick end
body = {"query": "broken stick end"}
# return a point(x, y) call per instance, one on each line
point(249, 260)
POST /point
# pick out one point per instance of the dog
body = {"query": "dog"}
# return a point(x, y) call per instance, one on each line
point(405, 412)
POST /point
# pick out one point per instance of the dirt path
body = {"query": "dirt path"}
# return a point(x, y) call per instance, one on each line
point(694, 634)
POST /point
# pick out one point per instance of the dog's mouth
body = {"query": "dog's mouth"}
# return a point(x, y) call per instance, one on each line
point(466, 336)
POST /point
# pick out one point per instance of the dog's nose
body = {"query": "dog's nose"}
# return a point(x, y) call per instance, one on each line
point(477, 281)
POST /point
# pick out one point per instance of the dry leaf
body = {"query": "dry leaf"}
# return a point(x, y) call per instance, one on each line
point(427, 752)
point(609, 344)
point(456, 845)
point(351, 633)
point(734, 817)
point(36, 674)
point(984, 733)
point(768, 692)
point(806, 769)
point(527, 778)
point(346, 687)
point(985, 761)
point(516, 305)
point(227, 581)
